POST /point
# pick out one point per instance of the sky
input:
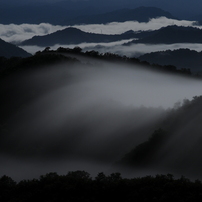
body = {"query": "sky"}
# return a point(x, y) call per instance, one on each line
point(180, 8)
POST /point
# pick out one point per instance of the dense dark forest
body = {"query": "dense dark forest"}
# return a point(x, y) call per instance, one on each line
point(181, 58)
point(47, 57)
point(79, 186)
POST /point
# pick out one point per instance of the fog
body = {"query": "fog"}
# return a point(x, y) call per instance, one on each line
point(134, 50)
point(82, 117)
point(121, 27)
point(18, 33)
point(87, 46)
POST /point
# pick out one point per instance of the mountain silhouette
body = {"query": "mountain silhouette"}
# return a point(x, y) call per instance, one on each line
point(44, 11)
point(175, 146)
point(140, 14)
point(173, 34)
point(77, 12)
point(75, 36)
point(181, 58)
point(9, 50)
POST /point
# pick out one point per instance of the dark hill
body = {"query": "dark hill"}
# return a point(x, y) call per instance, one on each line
point(175, 146)
point(182, 58)
point(9, 50)
point(75, 36)
point(173, 34)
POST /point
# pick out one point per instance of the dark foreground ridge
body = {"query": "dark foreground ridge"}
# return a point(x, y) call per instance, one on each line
point(79, 186)
point(61, 55)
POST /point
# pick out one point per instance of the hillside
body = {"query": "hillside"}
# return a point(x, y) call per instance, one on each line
point(75, 36)
point(172, 34)
point(9, 50)
point(181, 58)
point(175, 146)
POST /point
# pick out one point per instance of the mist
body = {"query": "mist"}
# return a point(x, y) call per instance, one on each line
point(121, 27)
point(82, 117)
point(17, 33)
point(134, 50)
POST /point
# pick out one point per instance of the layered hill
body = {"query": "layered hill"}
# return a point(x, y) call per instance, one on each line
point(75, 36)
point(175, 146)
point(181, 58)
point(172, 34)
point(9, 50)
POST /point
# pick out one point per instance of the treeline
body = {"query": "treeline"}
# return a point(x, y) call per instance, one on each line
point(48, 57)
point(79, 186)
point(181, 58)
point(18, 64)
point(117, 58)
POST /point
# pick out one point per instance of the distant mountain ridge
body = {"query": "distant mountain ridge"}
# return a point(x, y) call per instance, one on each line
point(176, 145)
point(181, 58)
point(172, 34)
point(140, 14)
point(73, 35)
point(9, 50)
point(69, 14)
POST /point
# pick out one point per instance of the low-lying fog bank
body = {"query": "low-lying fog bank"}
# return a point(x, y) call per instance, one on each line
point(82, 117)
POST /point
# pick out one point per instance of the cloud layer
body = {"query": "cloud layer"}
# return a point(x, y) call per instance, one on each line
point(118, 28)
point(18, 33)
point(134, 50)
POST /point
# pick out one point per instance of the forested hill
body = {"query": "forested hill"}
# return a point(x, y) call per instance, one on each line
point(9, 50)
point(172, 34)
point(73, 35)
point(48, 57)
point(175, 145)
point(181, 58)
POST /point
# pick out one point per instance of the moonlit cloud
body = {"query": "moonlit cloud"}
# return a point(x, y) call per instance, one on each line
point(118, 28)
point(18, 33)
point(88, 46)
